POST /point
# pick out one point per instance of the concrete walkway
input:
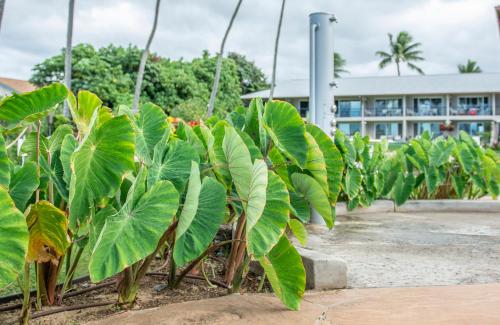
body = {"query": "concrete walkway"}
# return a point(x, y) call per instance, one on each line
point(414, 249)
point(466, 304)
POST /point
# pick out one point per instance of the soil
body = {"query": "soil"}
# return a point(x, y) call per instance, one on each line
point(153, 293)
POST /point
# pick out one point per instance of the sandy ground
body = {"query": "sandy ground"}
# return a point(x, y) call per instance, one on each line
point(414, 249)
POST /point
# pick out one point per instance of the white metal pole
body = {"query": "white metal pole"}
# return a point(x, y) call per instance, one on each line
point(321, 78)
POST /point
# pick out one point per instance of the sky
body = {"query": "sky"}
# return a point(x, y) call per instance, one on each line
point(451, 31)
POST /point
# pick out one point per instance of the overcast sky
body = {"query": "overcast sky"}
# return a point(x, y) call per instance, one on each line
point(451, 31)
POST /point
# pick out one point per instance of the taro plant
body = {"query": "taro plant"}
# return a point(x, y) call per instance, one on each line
point(128, 186)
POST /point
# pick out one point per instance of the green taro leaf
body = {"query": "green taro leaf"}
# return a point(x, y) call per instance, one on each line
point(285, 271)
point(68, 146)
point(150, 125)
point(287, 130)
point(31, 106)
point(118, 245)
point(13, 239)
point(299, 230)
point(97, 223)
point(4, 164)
point(403, 188)
point(272, 224)
point(203, 212)
point(333, 160)
point(56, 139)
point(254, 124)
point(83, 109)
point(315, 163)
point(353, 182)
point(312, 192)
point(172, 162)
point(23, 184)
point(98, 165)
point(300, 207)
point(48, 233)
point(250, 179)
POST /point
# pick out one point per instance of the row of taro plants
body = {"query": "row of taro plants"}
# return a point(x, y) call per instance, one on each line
point(424, 168)
point(127, 186)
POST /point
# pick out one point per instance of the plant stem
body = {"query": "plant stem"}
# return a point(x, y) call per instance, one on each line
point(70, 273)
point(26, 296)
point(38, 130)
point(231, 263)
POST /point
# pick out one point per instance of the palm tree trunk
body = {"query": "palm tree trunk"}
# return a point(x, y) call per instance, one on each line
point(67, 57)
point(144, 58)
point(215, 87)
point(397, 65)
point(276, 44)
point(2, 5)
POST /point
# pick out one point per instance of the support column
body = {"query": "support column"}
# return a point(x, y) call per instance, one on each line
point(404, 119)
point(447, 109)
point(363, 127)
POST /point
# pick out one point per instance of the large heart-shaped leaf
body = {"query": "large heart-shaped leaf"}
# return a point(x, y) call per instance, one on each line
point(353, 181)
point(147, 219)
point(272, 224)
point(4, 164)
point(217, 156)
point(98, 166)
point(285, 271)
point(403, 188)
point(23, 183)
point(56, 139)
point(203, 212)
point(150, 125)
point(311, 191)
point(32, 106)
point(172, 162)
point(315, 163)
point(254, 124)
point(286, 129)
point(250, 179)
point(48, 228)
point(13, 239)
point(333, 160)
point(83, 108)
point(68, 146)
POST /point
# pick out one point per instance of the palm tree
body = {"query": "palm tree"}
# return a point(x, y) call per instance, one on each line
point(67, 57)
point(276, 44)
point(2, 5)
point(215, 87)
point(339, 64)
point(470, 67)
point(402, 50)
point(144, 58)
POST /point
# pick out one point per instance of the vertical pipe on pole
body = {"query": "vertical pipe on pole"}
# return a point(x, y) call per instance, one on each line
point(67, 57)
point(321, 78)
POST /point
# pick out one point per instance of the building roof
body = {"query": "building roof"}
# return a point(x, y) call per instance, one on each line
point(16, 85)
point(403, 85)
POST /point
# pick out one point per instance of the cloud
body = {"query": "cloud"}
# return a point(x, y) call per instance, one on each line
point(451, 31)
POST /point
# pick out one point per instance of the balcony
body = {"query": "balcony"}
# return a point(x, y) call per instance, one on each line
point(426, 111)
point(472, 110)
point(382, 111)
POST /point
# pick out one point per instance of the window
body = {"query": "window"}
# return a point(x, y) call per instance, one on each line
point(432, 128)
point(428, 106)
point(389, 107)
point(303, 108)
point(473, 128)
point(388, 130)
point(348, 108)
point(349, 128)
point(473, 105)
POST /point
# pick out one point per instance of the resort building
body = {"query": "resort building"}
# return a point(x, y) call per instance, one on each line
point(399, 108)
point(9, 86)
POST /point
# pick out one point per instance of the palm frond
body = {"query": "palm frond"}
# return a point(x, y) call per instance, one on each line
point(414, 67)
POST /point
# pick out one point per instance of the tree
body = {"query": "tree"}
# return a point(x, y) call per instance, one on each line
point(470, 67)
point(402, 50)
point(339, 64)
point(111, 71)
point(252, 78)
point(276, 44)
point(144, 58)
point(215, 87)
point(2, 5)
point(67, 56)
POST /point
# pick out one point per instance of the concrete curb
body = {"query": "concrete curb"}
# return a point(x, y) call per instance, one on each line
point(381, 206)
point(323, 271)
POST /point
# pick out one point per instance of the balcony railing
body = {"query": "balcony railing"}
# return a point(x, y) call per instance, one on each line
point(348, 113)
point(380, 111)
point(426, 111)
point(471, 110)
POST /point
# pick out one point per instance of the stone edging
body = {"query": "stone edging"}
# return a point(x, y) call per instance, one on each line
point(380, 206)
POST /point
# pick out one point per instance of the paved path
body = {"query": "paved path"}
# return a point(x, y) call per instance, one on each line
point(414, 249)
point(466, 304)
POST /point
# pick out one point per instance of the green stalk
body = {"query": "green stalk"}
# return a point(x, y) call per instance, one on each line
point(71, 272)
point(24, 320)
